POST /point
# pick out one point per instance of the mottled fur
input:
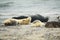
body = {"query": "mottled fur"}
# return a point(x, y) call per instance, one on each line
point(10, 22)
point(37, 23)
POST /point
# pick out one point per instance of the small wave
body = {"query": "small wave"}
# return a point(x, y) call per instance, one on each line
point(5, 4)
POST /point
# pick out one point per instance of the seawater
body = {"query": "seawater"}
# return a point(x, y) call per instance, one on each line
point(9, 8)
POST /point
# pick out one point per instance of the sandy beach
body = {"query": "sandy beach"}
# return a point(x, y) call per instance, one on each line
point(29, 33)
point(26, 32)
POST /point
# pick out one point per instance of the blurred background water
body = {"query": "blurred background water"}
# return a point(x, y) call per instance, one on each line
point(9, 8)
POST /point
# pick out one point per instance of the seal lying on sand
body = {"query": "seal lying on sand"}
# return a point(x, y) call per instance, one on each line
point(24, 20)
point(11, 22)
point(52, 24)
point(34, 17)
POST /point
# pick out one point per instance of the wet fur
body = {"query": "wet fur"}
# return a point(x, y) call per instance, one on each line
point(34, 17)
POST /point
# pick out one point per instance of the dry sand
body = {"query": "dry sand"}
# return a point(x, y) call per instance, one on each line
point(26, 32)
